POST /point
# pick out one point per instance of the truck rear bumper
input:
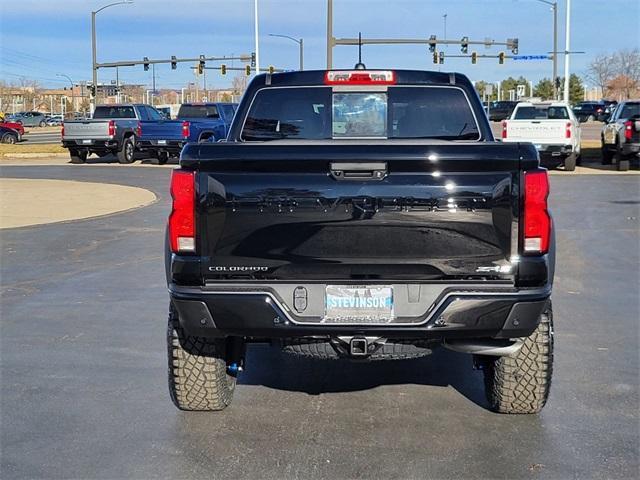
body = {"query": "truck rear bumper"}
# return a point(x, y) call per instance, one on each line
point(172, 146)
point(95, 145)
point(455, 312)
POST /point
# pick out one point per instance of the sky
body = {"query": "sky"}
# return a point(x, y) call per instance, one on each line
point(43, 39)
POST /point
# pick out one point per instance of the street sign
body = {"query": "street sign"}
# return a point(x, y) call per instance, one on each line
point(531, 57)
point(488, 89)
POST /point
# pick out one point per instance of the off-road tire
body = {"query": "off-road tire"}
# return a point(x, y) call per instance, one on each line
point(521, 383)
point(198, 378)
point(78, 156)
point(127, 153)
point(570, 163)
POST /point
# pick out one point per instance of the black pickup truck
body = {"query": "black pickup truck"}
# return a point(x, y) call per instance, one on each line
point(364, 214)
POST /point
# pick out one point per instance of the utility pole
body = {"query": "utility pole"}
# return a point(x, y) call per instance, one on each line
point(445, 25)
point(329, 34)
point(153, 86)
point(567, 49)
point(256, 33)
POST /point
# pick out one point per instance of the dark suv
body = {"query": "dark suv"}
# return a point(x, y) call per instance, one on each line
point(589, 111)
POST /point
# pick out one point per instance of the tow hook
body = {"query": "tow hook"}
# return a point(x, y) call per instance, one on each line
point(236, 349)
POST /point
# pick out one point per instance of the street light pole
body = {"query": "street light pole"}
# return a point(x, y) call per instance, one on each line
point(93, 49)
point(71, 83)
point(554, 8)
point(300, 43)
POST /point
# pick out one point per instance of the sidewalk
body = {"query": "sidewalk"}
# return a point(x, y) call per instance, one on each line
point(25, 202)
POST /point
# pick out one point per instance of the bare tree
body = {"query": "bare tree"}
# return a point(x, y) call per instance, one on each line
point(601, 71)
point(627, 64)
point(239, 84)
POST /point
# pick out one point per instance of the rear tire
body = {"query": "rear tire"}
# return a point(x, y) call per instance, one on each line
point(521, 383)
point(127, 153)
point(570, 163)
point(78, 156)
point(161, 158)
point(198, 378)
point(42, 124)
point(623, 163)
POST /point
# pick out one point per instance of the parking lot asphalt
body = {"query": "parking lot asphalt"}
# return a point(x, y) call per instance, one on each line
point(83, 367)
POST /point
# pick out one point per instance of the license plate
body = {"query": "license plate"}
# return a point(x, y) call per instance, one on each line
point(358, 304)
point(162, 142)
point(87, 142)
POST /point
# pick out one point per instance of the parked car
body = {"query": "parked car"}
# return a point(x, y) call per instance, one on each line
point(9, 135)
point(30, 119)
point(195, 122)
point(113, 129)
point(589, 111)
point(551, 127)
point(498, 111)
point(620, 135)
point(608, 111)
point(18, 127)
point(363, 214)
point(55, 120)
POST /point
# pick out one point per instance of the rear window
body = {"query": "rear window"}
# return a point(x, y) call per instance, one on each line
point(198, 111)
point(114, 112)
point(541, 113)
point(311, 113)
point(629, 110)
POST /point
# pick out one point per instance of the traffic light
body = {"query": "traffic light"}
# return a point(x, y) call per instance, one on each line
point(247, 70)
point(92, 90)
point(253, 59)
point(223, 69)
point(501, 58)
point(441, 57)
point(512, 43)
point(201, 65)
point(464, 45)
point(271, 69)
point(432, 44)
point(146, 64)
point(174, 64)
point(435, 57)
point(474, 57)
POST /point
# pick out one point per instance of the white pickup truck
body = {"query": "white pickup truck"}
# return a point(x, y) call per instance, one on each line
point(551, 127)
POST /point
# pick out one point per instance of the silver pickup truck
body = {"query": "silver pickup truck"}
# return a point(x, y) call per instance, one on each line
point(114, 129)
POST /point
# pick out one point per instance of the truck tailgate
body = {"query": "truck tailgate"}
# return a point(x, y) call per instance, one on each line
point(86, 129)
point(162, 130)
point(537, 131)
point(357, 212)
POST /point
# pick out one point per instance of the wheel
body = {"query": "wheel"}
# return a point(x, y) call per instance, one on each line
point(161, 158)
point(78, 156)
point(607, 155)
point(9, 138)
point(570, 163)
point(42, 124)
point(623, 163)
point(590, 118)
point(521, 383)
point(198, 378)
point(127, 153)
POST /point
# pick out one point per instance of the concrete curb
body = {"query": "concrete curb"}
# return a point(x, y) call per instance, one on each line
point(35, 155)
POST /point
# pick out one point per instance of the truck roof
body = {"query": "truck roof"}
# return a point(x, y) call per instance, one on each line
point(401, 77)
point(542, 104)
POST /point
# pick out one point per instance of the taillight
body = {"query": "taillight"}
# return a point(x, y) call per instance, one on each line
point(112, 128)
point(186, 129)
point(182, 227)
point(537, 222)
point(628, 130)
point(139, 130)
point(567, 132)
point(62, 131)
point(504, 129)
point(360, 77)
